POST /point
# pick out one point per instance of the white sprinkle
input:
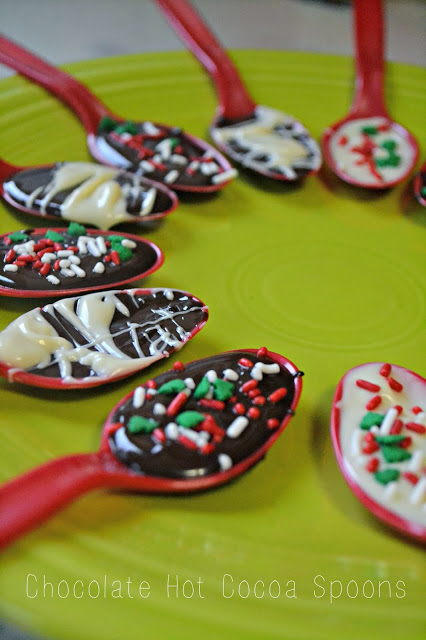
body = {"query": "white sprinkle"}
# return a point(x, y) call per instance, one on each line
point(150, 128)
point(10, 267)
point(165, 148)
point(48, 257)
point(208, 154)
point(152, 392)
point(74, 259)
point(190, 383)
point(101, 244)
point(225, 462)
point(209, 168)
point(211, 375)
point(356, 442)
point(390, 491)
point(178, 159)
point(64, 253)
point(418, 494)
point(79, 272)
point(224, 176)
point(194, 165)
point(169, 294)
point(159, 409)
point(156, 449)
point(139, 397)
point(203, 438)
point(230, 374)
point(53, 279)
point(388, 421)
point(64, 264)
point(26, 247)
point(416, 463)
point(172, 431)
point(171, 177)
point(236, 427)
point(146, 166)
point(269, 368)
point(99, 267)
point(67, 273)
point(256, 372)
point(125, 135)
point(375, 430)
point(128, 243)
point(123, 442)
point(191, 435)
point(82, 244)
point(93, 248)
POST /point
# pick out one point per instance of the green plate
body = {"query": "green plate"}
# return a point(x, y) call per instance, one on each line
point(326, 275)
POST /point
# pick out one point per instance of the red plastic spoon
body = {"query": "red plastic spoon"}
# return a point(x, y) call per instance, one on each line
point(146, 447)
point(262, 139)
point(160, 152)
point(367, 148)
point(85, 192)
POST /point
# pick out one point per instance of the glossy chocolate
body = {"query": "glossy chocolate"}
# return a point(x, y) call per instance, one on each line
point(241, 399)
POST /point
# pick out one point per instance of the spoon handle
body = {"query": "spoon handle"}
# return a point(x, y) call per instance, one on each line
point(72, 92)
point(33, 497)
point(369, 60)
point(234, 99)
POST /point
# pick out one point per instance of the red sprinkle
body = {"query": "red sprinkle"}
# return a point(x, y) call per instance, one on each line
point(370, 447)
point(273, 423)
point(396, 386)
point(212, 404)
point(41, 253)
point(26, 258)
point(254, 393)
point(262, 352)
point(411, 477)
point(398, 408)
point(151, 384)
point(239, 409)
point(187, 442)
point(20, 263)
point(56, 265)
point(207, 448)
point(396, 428)
point(372, 465)
point(37, 264)
point(115, 257)
point(373, 403)
point(259, 401)
point(107, 258)
point(417, 410)
point(249, 386)
point(210, 425)
point(245, 362)
point(45, 269)
point(159, 435)
point(7, 241)
point(369, 386)
point(10, 255)
point(57, 246)
point(178, 366)
point(176, 404)
point(278, 394)
point(253, 412)
point(416, 427)
point(342, 141)
point(73, 249)
point(369, 437)
point(385, 370)
point(233, 399)
point(406, 443)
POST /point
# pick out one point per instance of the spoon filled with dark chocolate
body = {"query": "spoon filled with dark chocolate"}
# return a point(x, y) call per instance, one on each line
point(256, 137)
point(159, 152)
point(85, 192)
point(192, 428)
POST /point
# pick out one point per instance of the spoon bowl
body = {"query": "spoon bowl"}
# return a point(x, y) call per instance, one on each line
point(256, 137)
point(84, 192)
point(367, 148)
point(172, 456)
point(159, 152)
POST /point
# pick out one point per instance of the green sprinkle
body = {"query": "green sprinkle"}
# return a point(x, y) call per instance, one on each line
point(386, 476)
point(423, 191)
point(189, 419)
point(389, 440)
point(371, 419)
point(124, 252)
point(390, 145)
point(223, 389)
point(19, 236)
point(75, 229)
point(139, 424)
point(174, 142)
point(395, 454)
point(127, 127)
point(391, 161)
point(52, 235)
point(172, 387)
point(202, 389)
point(369, 131)
point(107, 125)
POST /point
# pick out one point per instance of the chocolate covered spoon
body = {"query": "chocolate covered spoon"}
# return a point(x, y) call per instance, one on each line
point(84, 192)
point(98, 337)
point(160, 152)
point(259, 138)
point(38, 263)
point(194, 427)
point(367, 148)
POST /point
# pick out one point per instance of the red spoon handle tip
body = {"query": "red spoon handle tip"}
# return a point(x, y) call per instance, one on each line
point(72, 92)
point(234, 99)
point(33, 497)
point(369, 59)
